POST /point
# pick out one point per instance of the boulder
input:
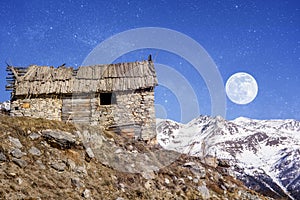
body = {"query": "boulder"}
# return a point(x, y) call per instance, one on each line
point(34, 151)
point(15, 141)
point(2, 157)
point(21, 163)
point(59, 139)
point(89, 152)
point(59, 166)
point(86, 193)
point(17, 153)
point(34, 136)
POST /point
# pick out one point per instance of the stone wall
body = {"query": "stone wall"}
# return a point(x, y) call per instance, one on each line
point(48, 108)
point(130, 108)
point(135, 109)
point(147, 115)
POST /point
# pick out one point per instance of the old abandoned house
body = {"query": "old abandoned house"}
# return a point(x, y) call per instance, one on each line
point(116, 96)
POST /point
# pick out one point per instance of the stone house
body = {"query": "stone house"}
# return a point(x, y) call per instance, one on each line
point(119, 96)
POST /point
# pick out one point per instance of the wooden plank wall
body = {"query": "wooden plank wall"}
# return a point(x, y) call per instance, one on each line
point(77, 110)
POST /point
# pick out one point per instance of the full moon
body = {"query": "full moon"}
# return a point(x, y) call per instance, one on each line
point(241, 88)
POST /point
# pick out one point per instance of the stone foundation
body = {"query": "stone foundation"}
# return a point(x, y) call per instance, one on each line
point(48, 108)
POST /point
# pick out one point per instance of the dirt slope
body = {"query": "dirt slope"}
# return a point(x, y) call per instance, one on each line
point(42, 159)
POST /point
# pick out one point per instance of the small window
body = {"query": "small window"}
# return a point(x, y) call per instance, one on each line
point(107, 98)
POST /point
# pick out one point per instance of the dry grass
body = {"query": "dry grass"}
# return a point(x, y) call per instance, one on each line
point(25, 124)
point(103, 181)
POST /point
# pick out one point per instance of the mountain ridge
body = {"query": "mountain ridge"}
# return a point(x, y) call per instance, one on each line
point(257, 149)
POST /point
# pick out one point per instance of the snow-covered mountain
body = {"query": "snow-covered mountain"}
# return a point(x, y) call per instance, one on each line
point(5, 105)
point(264, 154)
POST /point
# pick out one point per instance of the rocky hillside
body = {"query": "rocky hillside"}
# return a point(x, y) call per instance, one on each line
point(264, 154)
point(43, 159)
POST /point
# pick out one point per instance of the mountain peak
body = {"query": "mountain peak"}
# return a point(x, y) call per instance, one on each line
point(242, 119)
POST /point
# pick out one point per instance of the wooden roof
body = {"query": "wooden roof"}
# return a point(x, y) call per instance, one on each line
point(66, 80)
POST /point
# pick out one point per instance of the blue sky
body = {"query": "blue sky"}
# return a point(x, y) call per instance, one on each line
point(261, 38)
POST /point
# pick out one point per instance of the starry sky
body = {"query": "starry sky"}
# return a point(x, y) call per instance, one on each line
point(261, 38)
